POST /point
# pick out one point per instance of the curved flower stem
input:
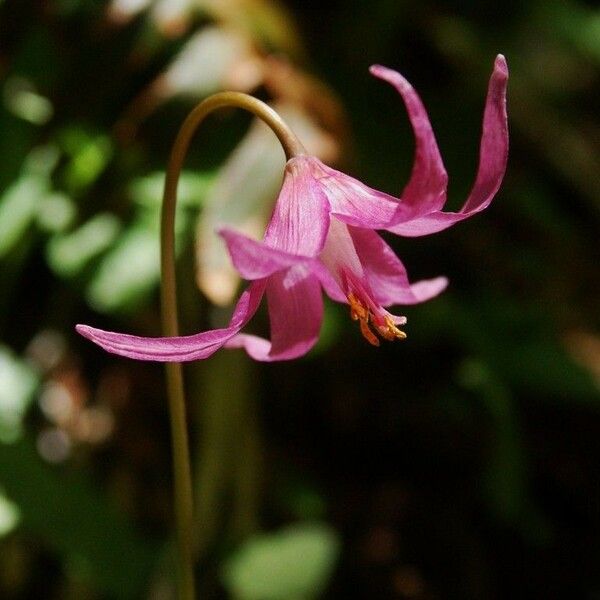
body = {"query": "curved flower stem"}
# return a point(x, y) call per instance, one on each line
point(170, 327)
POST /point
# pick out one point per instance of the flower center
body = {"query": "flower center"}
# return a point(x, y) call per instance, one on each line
point(368, 322)
point(343, 262)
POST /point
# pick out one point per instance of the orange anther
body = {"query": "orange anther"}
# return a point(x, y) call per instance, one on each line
point(368, 334)
point(359, 312)
point(392, 330)
point(357, 308)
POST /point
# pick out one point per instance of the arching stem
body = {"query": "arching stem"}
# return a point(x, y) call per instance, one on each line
point(184, 515)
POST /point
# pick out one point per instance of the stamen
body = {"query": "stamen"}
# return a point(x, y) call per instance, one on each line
point(368, 334)
point(391, 332)
point(357, 309)
point(359, 312)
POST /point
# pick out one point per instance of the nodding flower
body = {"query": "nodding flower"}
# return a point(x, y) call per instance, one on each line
point(323, 236)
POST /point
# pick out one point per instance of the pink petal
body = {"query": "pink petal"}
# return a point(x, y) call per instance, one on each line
point(354, 203)
point(257, 348)
point(301, 217)
point(387, 276)
point(330, 286)
point(338, 256)
point(182, 348)
point(254, 259)
point(295, 312)
point(426, 189)
point(493, 155)
point(398, 320)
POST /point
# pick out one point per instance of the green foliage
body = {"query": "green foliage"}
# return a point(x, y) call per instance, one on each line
point(27, 198)
point(191, 189)
point(70, 253)
point(73, 517)
point(9, 515)
point(293, 564)
point(18, 382)
point(128, 272)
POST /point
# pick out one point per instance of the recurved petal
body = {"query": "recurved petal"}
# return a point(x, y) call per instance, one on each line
point(386, 274)
point(300, 219)
point(295, 312)
point(493, 155)
point(257, 348)
point(354, 203)
point(256, 260)
point(493, 152)
point(426, 189)
point(431, 223)
point(181, 348)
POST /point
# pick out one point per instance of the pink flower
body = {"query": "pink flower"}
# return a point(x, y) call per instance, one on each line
point(322, 237)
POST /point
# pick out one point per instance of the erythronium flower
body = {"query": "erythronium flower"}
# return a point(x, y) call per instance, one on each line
point(322, 236)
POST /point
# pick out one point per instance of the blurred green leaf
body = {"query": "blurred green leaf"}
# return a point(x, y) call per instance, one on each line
point(29, 198)
point(42, 160)
point(68, 254)
point(21, 98)
point(18, 382)
point(192, 187)
point(131, 269)
point(55, 212)
point(292, 564)
point(128, 273)
point(90, 155)
point(9, 515)
point(18, 208)
point(73, 517)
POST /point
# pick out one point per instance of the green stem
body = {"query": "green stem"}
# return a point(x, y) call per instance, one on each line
point(181, 454)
